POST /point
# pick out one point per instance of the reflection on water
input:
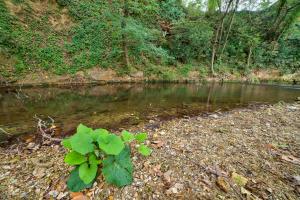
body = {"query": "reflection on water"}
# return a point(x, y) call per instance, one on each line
point(112, 106)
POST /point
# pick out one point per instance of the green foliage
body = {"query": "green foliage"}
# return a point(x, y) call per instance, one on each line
point(144, 150)
point(171, 10)
point(118, 169)
point(160, 37)
point(74, 182)
point(141, 137)
point(190, 40)
point(90, 148)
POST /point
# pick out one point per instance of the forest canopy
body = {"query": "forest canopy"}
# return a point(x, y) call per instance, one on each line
point(214, 36)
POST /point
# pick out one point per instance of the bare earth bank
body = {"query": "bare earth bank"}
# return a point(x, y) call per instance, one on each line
point(251, 153)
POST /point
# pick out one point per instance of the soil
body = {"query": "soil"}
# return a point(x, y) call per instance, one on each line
point(105, 76)
point(249, 153)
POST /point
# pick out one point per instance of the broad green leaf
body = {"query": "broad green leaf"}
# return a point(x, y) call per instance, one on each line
point(93, 159)
point(66, 143)
point(74, 158)
point(82, 143)
point(99, 134)
point(141, 137)
point(87, 173)
point(144, 150)
point(127, 137)
point(112, 145)
point(84, 129)
point(74, 183)
point(118, 169)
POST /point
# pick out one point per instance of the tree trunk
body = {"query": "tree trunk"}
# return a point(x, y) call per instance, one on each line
point(215, 42)
point(124, 37)
point(229, 29)
point(249, 57)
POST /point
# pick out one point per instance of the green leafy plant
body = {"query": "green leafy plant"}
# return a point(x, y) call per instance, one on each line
point(89, 149)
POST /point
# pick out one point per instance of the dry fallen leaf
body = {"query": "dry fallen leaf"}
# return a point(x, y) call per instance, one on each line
point(158, 143)
point(110, 197)
point(222, 184)
point(74, 195)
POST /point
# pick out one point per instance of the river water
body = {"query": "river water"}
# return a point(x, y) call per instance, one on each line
point(120, 105)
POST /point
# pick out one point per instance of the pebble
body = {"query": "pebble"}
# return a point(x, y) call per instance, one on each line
point(53, 193)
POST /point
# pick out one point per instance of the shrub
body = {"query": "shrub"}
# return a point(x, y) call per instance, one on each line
point(89, 149)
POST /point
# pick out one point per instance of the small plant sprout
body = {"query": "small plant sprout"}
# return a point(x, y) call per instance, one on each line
point(90, 149)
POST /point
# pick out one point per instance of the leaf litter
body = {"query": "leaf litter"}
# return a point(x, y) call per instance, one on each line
point(249, 153)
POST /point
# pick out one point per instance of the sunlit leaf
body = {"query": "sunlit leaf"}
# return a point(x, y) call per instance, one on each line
point(100, 134)
point(144, 150)
point(82, 141)
point(66, 143)
point(111, 145)
point(93, 159)
point(141, 137)
point(127, 136)
point(74, 158)
point(88, 172)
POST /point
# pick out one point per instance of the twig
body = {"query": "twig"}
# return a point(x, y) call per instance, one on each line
point(3, 131)
point(40, 126)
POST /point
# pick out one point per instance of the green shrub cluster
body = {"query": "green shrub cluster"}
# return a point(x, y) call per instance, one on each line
point(89, 149)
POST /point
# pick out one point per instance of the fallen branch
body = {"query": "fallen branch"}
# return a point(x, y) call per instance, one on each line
point(40, 125)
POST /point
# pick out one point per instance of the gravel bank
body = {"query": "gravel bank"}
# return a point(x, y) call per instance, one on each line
point(250, 153)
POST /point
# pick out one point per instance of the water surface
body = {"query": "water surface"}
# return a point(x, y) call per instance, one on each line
point(121, 105)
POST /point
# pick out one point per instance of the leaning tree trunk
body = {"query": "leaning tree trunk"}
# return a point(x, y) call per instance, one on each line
point(229, 29)
point(124, 36)
point(249, 57)
point(216, 38)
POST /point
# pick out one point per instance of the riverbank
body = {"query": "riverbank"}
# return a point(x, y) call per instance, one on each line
point(105, 76)
point(251, 152)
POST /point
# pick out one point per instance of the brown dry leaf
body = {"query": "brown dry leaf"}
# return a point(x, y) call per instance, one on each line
point(75, 194)
point(110, 197)
point(158, 143)
point(270, 146)
point(291, 159)
point(222, 184)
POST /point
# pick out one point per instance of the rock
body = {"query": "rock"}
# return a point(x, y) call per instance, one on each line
point(39, 172)
point(138, 74)
point(292, 108)
point(167, 176)
point(175, 189)
point(222, 184)
point(31, 145)
point(53, 193)
point(162, 133)
point(215, 116)
point(62, 195)
point(99, 74)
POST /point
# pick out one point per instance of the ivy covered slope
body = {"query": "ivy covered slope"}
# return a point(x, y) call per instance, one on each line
point(90, 149)
point(163, 39)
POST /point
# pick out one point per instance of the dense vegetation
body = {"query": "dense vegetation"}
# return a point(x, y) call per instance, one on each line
point(157, 37)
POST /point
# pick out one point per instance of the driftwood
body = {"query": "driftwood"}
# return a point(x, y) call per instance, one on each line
point(42, 127)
